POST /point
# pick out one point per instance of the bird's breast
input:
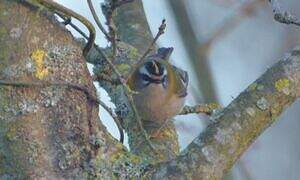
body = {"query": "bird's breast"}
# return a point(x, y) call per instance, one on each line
point(155, 103)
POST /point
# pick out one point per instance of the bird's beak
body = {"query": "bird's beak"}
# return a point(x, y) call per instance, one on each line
point(157, 78)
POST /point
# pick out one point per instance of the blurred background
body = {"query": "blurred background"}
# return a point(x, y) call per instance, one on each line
point(224, 45)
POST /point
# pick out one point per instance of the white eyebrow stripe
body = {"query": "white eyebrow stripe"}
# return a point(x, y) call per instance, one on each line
point(143, 70)
point(165, 72)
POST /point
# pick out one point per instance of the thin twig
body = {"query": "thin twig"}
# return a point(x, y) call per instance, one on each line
point(119, 76)
point(161, 30)
point(115, 118)
point(107, 78)
point(97, 20)
point(283, 16)
point(127, 91)
point(68, 12)
point(114, 68)
point(76, 28)
point(201, 108)
point(47, 84)
point(139, 120)
point(158, 131)
point(109, 11)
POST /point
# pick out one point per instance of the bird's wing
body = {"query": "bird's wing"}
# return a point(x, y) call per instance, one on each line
point(183, 80)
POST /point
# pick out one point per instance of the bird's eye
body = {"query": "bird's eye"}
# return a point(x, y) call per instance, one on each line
point(165, 81)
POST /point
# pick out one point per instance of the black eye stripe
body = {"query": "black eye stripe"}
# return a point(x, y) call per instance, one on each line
point(145, 77)
point(150, 67)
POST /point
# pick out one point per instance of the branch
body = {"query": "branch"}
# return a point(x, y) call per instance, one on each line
point(283, 16)
point(106, 78)
point(68, 21)
point(201, 108)
point(131, 15)
point(161, 30)
point(68, 12)
point(132, 25)
point(115, 118)
point(128, 93)
point(214, 151)
point(42, 84)
point(97, 20)
point(53, 137)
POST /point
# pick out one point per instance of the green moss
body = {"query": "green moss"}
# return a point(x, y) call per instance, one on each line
point(4, 50)
point(4, 101)
point(133, 53)
point(14, 161)
point(282, 84)
point(260, 87)
point(12, 147)
point(124, 68)
point(35, 3)
point(10, 134)
point(252, 87)
point(128, 165)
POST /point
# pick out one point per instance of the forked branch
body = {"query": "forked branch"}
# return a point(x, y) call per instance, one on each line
point(215, 150)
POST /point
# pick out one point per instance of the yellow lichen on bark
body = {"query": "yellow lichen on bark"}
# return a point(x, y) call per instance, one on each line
point(38, 57)
point(282, 85)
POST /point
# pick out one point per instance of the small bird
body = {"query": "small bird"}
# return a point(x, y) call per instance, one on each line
point(161, 87)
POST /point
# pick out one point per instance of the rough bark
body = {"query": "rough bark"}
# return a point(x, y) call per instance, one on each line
point(132, 25)
point(45, 131)
point(214, 151)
